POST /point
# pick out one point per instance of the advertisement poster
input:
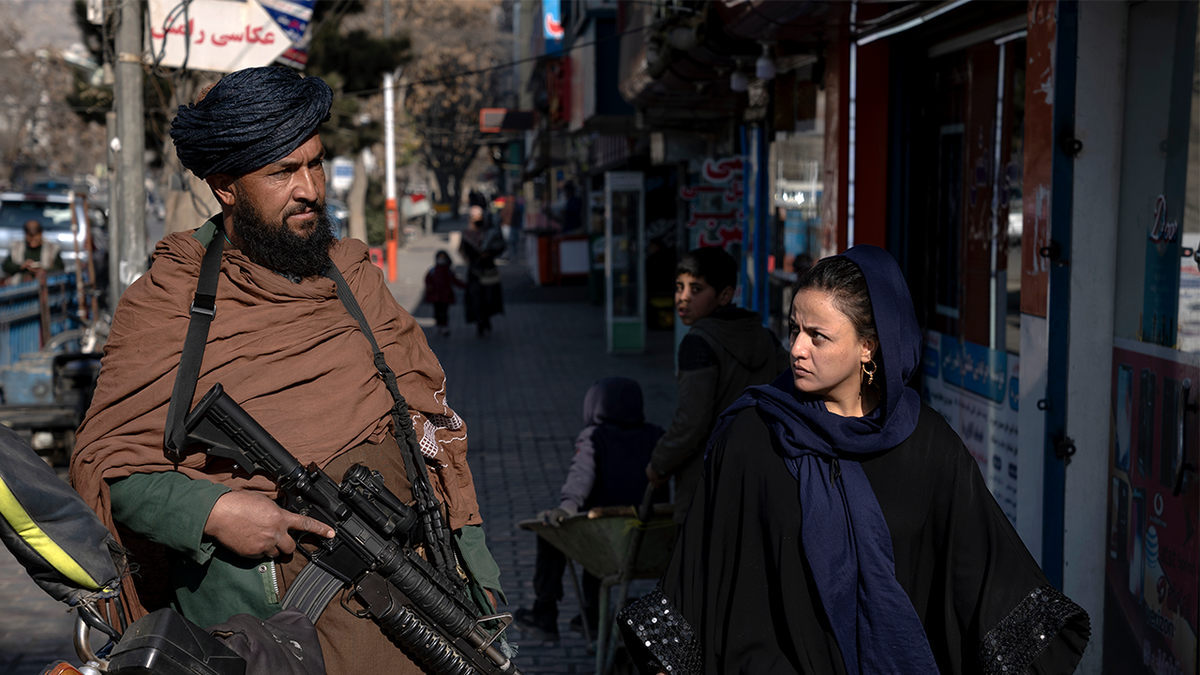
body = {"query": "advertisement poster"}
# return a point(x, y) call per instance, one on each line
point(975, 389)
point(715, 206)
point(218, 35)
point(552, 27)
point(1151, 576)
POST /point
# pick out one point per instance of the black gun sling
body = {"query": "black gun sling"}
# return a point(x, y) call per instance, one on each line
point(203, 310)
point(314, 587)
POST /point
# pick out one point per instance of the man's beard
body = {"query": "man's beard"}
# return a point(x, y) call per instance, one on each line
point(275, 246)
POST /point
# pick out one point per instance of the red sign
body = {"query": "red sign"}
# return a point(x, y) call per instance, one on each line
point(1039, 152)
point(490, 120)
point(495, 120)
point(715, 205)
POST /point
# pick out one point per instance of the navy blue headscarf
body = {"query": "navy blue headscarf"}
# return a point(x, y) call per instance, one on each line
point(249, 119)
point(846, 539)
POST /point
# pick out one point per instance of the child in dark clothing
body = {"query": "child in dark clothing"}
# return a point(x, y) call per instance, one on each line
point(725, 350)
point(439, 290)
point(610, 453)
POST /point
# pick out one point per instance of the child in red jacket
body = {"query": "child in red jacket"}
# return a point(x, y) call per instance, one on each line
point(439, 290)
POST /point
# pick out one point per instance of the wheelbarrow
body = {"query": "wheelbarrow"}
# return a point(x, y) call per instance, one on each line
point(616, 546)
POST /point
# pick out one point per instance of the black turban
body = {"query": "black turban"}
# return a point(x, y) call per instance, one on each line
point(249, 119)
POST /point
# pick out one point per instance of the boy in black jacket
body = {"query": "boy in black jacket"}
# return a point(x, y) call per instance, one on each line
point(726, 350)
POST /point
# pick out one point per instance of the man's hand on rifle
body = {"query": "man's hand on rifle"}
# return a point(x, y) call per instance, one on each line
point(251, 525)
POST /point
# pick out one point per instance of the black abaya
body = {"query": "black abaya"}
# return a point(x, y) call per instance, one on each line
point(484, 296)
point(740, 577)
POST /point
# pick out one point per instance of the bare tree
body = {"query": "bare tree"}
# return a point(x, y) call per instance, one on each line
point(39, 134)
point(350, 51)
point(458, 47)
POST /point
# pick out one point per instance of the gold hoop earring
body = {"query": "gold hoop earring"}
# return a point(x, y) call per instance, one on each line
point(870, 373)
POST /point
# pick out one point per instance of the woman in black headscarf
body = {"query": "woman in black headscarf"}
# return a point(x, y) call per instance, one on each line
point(842, 527)
point(481, 244)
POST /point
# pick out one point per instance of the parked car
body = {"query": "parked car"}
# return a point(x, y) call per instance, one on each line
point(52, 210)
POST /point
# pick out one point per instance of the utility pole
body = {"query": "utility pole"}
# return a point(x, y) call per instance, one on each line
point(114, 209)
point(400, 216)
point(128, 255)
point(389, 144)
point(392, 217)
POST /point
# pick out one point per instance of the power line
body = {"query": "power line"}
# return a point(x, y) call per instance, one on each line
point(528, 59)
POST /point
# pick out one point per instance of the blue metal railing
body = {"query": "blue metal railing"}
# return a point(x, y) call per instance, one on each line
point(20, 315)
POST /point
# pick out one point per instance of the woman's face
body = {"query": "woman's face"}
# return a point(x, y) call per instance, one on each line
point(826, 353)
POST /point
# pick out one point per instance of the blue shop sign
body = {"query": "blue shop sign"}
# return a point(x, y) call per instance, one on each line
point(552, 28)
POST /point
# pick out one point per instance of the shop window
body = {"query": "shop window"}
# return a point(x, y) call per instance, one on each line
point(798, 171)
point(948, 221)
point(967, 158)
point(1158, 277)
point(971, 176)
point(1151, 569)
point(1010, 182)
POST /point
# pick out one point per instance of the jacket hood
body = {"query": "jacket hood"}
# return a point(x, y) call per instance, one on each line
point(615, 400)
point(741, 333)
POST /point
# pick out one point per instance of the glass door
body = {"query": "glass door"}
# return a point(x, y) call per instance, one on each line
point(968, 179)
point(624, 276)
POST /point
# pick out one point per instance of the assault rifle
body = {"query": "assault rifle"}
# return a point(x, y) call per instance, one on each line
point(372, 554)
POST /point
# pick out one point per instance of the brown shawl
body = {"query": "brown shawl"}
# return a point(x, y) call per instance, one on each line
point(289, 353)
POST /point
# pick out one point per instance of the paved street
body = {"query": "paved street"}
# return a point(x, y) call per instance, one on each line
point(521, 393)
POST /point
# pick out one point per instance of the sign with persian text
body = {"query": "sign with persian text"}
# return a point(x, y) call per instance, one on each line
point(715, 205)
point(217, 35)
point(975, 389)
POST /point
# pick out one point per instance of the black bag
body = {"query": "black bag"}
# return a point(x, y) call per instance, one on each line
point(489, 276)
point(285, 644)
point(165, 643)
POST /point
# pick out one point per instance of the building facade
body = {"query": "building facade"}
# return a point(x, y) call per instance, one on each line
point(1034, 166)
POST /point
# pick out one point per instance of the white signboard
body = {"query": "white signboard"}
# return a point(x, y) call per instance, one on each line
point(343, 174)
point(219, 35)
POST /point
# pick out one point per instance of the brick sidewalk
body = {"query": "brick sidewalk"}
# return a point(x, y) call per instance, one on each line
point(521, 393)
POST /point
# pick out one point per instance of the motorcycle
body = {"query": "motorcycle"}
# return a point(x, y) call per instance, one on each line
point(73, 557)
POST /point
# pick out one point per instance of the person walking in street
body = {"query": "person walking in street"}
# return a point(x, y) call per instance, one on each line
point(606, 470)
point(480, 246)
point(439, 290)
point(842, 527)
point(477, 198)
point(285, 345)
point(32, 254)
point(726, 350)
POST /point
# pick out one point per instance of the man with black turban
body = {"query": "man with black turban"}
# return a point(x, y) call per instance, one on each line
point(284, 346)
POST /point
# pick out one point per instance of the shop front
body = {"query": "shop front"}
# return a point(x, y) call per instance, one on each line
point(1152, 551)
point(955, 221)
